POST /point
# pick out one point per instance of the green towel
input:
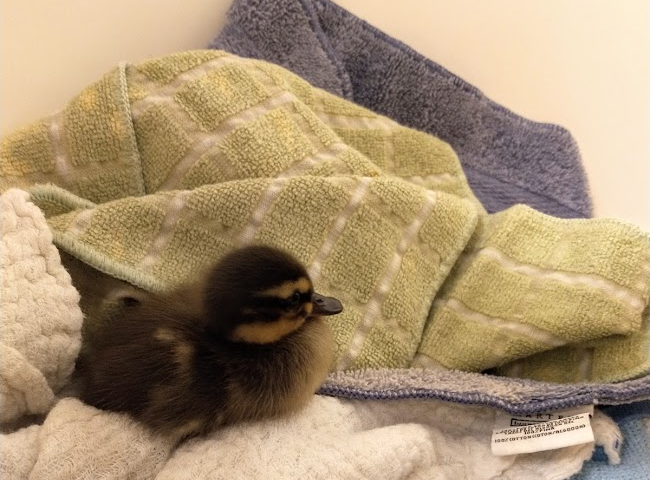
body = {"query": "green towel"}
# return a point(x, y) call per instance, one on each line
point(158, 169)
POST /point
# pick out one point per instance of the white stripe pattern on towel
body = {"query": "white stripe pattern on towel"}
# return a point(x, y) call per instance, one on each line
point(373, 308)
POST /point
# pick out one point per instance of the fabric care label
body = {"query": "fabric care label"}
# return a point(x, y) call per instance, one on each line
point(515, 434)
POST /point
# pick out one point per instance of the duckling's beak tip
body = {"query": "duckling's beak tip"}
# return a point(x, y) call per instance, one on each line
point(325, 305)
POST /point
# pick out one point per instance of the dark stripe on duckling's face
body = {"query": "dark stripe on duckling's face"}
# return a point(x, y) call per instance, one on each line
point(287, 290)
point(276, 312)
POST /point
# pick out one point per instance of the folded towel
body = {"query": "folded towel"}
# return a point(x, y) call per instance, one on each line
point(507, 159)
point(162, 167)
point(513, 395)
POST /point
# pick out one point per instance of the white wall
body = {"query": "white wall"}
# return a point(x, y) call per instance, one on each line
point(584, 64)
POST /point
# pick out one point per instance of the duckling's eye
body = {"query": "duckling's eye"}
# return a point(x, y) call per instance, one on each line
point(294, 300)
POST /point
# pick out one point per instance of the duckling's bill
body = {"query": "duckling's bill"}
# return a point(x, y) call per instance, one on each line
point(325, 305)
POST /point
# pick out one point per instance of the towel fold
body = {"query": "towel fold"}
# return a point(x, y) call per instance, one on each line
point(161, 168)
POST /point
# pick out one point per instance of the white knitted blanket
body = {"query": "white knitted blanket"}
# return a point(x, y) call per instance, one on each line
point(40, 322)
point(330, 439)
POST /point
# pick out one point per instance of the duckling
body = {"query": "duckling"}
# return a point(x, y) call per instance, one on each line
point(246, 342)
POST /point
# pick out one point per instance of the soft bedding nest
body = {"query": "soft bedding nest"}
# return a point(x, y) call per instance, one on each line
point(331, 438)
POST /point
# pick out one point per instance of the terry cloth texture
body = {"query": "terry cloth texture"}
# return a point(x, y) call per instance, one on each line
point(161, 168)
point(40, 318)
point(507, 159)
point(512, 395)
point(329, 439)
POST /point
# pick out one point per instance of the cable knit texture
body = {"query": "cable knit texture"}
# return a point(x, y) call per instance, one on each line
point(41, 320)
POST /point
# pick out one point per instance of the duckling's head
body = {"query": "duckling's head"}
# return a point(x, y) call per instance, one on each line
point(260, 295)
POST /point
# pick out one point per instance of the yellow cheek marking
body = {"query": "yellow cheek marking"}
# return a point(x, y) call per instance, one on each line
point(261, 332)
point(309, 307)
point(303, 285)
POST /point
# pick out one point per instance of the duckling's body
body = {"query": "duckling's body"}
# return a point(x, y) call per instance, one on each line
point(243, 344)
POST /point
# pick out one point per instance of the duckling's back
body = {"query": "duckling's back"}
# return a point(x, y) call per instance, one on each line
point(143, 363)
point(160, 363)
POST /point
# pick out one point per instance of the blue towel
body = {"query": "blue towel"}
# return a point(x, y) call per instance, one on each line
point(507, 159)
point(634, 422)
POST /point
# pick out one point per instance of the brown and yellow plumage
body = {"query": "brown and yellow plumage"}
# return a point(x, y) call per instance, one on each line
point(246, 342)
